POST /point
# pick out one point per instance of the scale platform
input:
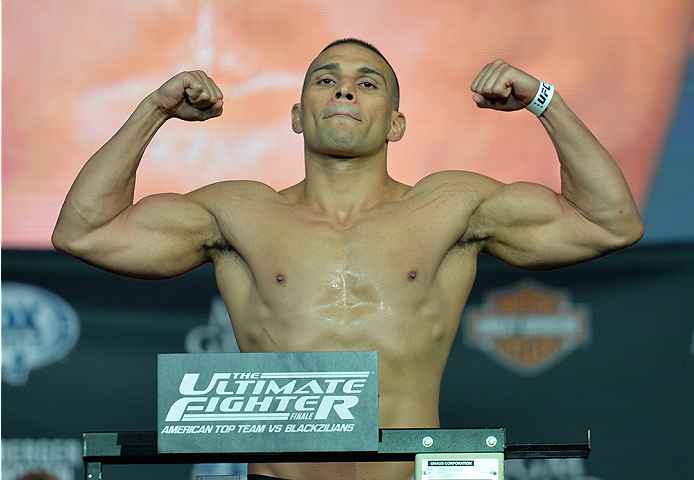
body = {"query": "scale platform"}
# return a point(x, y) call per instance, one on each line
point(395, 445)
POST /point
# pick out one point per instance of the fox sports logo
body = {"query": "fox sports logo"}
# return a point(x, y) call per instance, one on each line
point(38, 329)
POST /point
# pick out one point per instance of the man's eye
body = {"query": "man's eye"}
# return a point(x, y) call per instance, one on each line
point(368, 85)
point(325, 81)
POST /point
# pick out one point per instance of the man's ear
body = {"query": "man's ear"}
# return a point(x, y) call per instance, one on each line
point(296, 118)
point(397, 127)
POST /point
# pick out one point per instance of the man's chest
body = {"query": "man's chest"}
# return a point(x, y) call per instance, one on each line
point(375, 244)
point(384, 271)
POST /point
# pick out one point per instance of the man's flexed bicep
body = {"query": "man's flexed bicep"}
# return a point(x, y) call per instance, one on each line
point(531, 226)
point(160, 236)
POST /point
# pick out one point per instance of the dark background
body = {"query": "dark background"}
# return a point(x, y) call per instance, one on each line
point(632, 385)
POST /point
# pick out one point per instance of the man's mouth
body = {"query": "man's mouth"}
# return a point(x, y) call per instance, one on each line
point(343, 115)
point(341, 111)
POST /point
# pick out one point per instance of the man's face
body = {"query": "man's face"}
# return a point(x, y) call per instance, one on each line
point(346, 109)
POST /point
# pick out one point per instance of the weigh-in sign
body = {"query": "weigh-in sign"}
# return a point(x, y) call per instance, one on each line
point(267, 402)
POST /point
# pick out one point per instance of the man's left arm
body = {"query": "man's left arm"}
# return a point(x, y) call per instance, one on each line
point(529, 225)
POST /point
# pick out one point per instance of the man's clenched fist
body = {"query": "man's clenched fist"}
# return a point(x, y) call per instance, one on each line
point(189, 96)
point(503, 87)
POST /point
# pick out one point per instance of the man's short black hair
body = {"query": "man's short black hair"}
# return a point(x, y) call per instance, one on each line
point(395, 95)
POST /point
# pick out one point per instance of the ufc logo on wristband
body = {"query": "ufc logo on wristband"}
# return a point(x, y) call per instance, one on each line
point(542, 99)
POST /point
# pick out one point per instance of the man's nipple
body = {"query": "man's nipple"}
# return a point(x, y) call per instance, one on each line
point(411, 275)
point(281, 279)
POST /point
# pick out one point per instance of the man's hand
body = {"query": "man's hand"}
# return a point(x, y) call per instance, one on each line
point(191, 96)
point(503, 87)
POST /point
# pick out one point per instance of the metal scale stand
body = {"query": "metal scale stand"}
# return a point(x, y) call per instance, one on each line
point(123, 448)
point(352, 378)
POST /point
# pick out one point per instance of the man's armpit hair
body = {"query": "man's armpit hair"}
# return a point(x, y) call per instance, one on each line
point(474, 233)
point(220, 244)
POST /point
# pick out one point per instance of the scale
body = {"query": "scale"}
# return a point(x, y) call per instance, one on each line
point(211, 415)
point(140, 447)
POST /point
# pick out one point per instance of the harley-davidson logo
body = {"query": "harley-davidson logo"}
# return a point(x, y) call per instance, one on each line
point(527, 327)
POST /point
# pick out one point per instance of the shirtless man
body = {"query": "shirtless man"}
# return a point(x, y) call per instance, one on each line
point(349, 258)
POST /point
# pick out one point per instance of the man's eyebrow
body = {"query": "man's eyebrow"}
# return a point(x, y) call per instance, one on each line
point(369, 70)
point(336, 66)
point(326, 67)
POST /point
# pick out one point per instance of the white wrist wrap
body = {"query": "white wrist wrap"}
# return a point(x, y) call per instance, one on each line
point(542, 99)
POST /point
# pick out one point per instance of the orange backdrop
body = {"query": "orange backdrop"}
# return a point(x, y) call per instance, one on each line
point(73, 72)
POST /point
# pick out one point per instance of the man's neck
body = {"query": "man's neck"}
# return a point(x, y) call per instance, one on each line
point(341, 188)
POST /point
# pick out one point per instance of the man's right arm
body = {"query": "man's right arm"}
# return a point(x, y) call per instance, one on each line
point(162, 235)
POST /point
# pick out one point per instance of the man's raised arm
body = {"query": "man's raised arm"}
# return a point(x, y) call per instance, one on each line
point(531, 226)
point(162, 235)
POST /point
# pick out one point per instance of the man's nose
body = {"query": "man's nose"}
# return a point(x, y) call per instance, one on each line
point(344, 91)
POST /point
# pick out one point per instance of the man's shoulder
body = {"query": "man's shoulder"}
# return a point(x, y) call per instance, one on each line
point(234, 191)
point(458, 182)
